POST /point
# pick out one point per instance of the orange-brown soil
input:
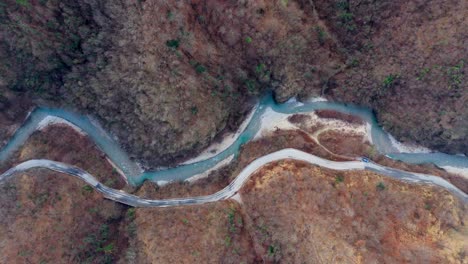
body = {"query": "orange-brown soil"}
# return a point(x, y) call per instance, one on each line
point(299, 213)
point(345, 144)
point(212, 233)
point(51, 218)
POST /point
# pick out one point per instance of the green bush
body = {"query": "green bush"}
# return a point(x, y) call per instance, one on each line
point(173, 43)
point(339, 178)
point(321, 35)
point(271, 250)
point(87, 189)
point(455, 74)
point(131, 213)
point(250, 84)
point(22, 2)
point(380, 186)
point(200, 68)
point(390, 80)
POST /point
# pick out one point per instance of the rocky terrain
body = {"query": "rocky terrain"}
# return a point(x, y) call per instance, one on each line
point(166, 77)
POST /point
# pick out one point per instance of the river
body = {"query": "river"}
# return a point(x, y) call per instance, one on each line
point(135, 175)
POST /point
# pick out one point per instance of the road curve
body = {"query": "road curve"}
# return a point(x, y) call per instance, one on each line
point(234, 186)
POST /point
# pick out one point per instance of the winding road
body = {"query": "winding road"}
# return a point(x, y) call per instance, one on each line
point(264, 113)
point(234, 186)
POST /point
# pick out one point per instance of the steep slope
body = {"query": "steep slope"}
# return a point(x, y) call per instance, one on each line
point(166, 77)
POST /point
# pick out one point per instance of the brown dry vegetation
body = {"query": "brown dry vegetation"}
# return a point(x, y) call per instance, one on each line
point(52, 218)
point(331, 114)
point(407, 60)
point(49, 217)
point(13, 111)
point(62, 143)
point(167, 76)
point(303, 214)
point(343, 144)
point(212, 233)
point(290, 212)
point(355, 146)
point(215, 181)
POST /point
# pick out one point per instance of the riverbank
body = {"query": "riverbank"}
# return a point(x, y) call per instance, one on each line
point(265, 120)
point(240, 228)
point(266, 117)
point(269, 221)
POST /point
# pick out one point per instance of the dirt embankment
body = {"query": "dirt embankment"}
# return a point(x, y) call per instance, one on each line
point(166, 84)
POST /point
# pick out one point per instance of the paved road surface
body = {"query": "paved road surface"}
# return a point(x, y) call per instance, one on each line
point(239, 181)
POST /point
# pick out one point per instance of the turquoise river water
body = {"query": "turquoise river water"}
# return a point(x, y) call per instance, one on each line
point(135, 175)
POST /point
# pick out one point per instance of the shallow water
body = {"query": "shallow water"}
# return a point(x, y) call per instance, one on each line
point(135, 175)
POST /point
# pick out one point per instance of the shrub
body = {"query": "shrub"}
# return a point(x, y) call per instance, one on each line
point(87, 189)
point(455, 74)
point(390, 80)
point(271, 250)
point(422, 74)
point(248, 40)
point(321, 35)
point(200, 68)
point(228, 241)
point(346, 17)
point(342, 5)
point(427, 206)
point(170, 15)
point(22, 2)
point(173, 43)
point(339, 178)
point(260, 68)
point(380, 186)
point(131, 214)
point(107, 249)
point(132, 229)
point(250, 84)
point(354, 63)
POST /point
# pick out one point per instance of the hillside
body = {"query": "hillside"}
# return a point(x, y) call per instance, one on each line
point(166, 77)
